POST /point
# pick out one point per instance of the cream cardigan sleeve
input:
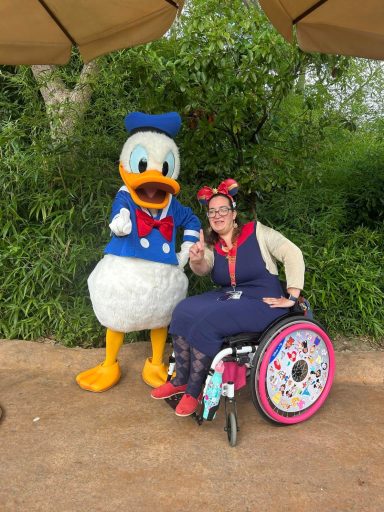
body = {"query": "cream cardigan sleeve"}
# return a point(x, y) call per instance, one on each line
point(274, 246)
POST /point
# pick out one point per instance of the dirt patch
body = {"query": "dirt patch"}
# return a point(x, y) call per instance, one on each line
point(356, 343)
point(70, 450)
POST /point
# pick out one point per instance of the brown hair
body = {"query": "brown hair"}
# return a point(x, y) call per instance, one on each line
point(211, 237)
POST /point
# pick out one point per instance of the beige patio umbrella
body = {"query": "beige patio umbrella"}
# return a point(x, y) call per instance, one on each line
point(44, 31)
point(344, 27)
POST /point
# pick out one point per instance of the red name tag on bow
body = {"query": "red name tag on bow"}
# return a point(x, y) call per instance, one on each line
point(145, 224)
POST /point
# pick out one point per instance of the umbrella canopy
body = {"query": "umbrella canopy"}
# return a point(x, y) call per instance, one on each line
point(344, 27)
point(44, 31)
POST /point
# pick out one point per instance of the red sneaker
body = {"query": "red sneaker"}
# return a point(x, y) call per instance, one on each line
point(187, 405)
point(167, 390)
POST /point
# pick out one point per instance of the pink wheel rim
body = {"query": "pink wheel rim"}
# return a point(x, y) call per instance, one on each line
point(296, 373)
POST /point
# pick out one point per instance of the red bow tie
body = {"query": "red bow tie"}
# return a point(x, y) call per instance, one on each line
point(145, 224)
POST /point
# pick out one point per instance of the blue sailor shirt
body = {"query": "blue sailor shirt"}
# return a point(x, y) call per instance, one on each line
point(154, 246)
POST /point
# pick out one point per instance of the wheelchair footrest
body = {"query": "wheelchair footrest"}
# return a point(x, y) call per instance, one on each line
point(172, 401)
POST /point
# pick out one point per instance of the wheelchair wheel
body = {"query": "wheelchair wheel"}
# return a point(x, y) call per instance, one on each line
point(231, 428)
point(293, 370)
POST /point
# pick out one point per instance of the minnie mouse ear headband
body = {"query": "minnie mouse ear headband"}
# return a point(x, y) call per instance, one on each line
point(228, 187)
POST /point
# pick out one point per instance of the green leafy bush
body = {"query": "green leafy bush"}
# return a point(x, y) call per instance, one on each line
point(300, 165)
point(53, 215)
point(344, 281)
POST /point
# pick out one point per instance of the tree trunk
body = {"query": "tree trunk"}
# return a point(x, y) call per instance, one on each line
point(65, 107)
point(300, 84)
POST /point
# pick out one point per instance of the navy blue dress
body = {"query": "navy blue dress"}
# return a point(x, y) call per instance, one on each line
point(204, 321)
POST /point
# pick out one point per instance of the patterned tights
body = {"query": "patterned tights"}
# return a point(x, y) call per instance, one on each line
point(191, 366)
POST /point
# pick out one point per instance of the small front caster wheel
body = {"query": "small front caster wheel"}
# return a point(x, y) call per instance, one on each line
point(231, 428)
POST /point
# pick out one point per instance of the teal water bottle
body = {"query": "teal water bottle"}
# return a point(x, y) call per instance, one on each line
point(213, 393)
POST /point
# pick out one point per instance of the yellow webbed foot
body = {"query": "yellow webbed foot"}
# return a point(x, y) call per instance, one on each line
point(154, 374)
point(100, 378)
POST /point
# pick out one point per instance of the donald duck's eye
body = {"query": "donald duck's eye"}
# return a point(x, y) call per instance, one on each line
point(138, 161)
point(169, 164)
point(143, 165)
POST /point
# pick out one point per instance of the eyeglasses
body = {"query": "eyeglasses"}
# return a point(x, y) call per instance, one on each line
point(222, 211)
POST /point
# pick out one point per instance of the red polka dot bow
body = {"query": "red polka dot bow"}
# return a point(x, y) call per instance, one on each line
point(228, 187)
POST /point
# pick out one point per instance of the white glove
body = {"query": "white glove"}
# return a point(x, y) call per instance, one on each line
point(121, 224)
point(183, 255)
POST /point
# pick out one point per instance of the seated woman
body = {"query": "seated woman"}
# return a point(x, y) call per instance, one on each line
point(242, 262)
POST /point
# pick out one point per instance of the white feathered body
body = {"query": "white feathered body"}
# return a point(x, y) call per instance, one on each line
point(131, 294)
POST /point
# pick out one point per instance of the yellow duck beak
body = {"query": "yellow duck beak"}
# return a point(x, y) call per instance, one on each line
point(149, 189)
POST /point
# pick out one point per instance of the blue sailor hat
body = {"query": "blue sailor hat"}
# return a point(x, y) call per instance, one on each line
point(168, 123)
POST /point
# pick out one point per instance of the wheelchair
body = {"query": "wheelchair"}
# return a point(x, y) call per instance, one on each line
point(289, 367)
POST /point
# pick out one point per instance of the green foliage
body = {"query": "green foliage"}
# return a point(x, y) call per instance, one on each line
point(362, 183)
point(53, 211)
point(295, 130)
point(344, 281)
point(335, 214)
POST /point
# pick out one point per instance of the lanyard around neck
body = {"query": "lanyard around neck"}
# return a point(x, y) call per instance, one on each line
point(231, 257)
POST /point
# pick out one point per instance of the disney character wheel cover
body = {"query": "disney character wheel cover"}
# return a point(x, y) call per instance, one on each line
point(296, 373)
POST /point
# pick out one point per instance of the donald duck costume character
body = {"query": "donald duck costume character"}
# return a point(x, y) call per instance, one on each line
point(140, 279)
